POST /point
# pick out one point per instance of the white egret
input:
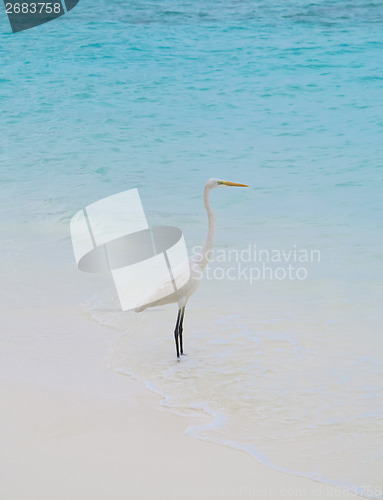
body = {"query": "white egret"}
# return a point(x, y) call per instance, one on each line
point(197, 263)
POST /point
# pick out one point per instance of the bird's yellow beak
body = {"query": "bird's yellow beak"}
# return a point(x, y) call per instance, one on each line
point(227, 183)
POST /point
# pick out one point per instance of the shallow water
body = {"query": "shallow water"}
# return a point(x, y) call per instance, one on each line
point(284, 96)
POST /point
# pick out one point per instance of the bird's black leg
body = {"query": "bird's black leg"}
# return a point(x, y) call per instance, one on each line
point(176, 330)
point(180, 329)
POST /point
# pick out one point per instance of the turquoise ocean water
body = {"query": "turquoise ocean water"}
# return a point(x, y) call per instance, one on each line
point(162, 95)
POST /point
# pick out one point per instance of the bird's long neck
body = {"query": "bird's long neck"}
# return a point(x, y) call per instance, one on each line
point(208, 247)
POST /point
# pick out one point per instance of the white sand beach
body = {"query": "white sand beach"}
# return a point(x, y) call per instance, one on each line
point(73, 428)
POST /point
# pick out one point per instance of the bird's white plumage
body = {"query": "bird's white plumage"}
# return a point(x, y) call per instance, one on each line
point(195, 264)
point(181, 295)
